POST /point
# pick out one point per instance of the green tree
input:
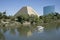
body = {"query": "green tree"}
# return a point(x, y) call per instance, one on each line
point(0, 15)
point(34, 18)
point(22, 18)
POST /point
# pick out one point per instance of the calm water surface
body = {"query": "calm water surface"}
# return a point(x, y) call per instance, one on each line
point(30, 33)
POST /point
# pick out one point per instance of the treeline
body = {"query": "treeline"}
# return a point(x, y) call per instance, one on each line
point(3, 15)
point(52, 17)
point(32, 19)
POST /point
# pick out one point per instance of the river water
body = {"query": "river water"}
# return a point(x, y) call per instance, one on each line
point(30, 33)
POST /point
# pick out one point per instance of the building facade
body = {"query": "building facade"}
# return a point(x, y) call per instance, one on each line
point(26, 10)
point(48, 10)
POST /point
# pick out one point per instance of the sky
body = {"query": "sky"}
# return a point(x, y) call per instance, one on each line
point(13, 6)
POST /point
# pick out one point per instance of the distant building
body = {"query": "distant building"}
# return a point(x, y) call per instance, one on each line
point(48, 10)
point(26, 10)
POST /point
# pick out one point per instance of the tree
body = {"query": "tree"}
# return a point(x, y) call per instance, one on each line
point(0, 15)
point(4, 13)
point(34, 18)
point(22, 18)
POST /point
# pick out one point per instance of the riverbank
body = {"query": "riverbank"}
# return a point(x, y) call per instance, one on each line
point(10, 23)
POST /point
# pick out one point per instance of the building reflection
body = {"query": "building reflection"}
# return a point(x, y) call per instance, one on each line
point(29, 33)
point(25, 31)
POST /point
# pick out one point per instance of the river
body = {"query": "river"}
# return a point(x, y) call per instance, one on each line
point(30, 33)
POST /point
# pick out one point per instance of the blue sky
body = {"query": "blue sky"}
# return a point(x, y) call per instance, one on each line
point(12, 6)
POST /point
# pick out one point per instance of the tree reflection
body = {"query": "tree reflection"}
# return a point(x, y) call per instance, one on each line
point(25, 31)
point(4, 29)
point(12, 31)
point(2, 37)
point(51, 26)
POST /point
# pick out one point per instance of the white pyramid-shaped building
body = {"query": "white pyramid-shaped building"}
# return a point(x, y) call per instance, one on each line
point(26, 10)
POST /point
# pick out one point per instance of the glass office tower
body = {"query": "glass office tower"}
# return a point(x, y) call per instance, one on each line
point(48, 9)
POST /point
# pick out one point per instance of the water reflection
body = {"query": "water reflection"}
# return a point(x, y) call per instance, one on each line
point(30, 32)
point(24, 31)
point(12, 31)
point(2, 37)
point(3, 29)
point(51, 26)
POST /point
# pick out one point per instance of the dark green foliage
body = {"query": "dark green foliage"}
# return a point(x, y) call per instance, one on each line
point(23, 18)
point(0, 15)
point(3, 15)
point(50, 17)
point(20, 19)
point(41, 17)
point(34, 19)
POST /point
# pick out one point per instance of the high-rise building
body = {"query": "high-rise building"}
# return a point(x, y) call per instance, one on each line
point(48, 10)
